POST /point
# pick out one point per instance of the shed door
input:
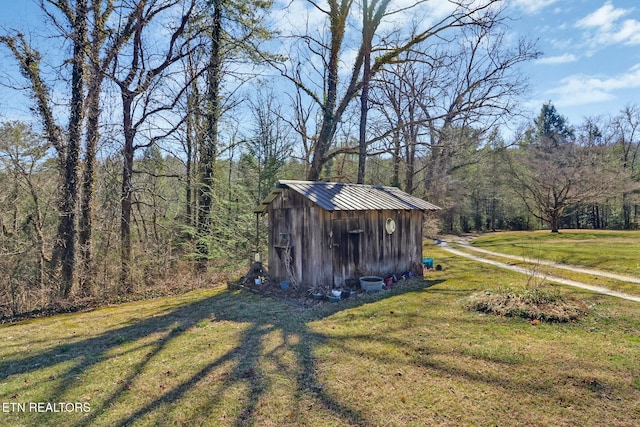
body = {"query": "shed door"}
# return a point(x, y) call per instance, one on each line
point(345, 239)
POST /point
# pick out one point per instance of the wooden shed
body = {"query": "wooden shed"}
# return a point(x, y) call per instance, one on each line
point(325, 233)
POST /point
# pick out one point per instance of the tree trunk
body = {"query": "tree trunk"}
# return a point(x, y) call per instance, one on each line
point(397, 159)
point(362, 143)
point(67, 228)
point(554, 222)
point(37, 228)
point(410, 156)
point(15, 194)
point(209, 146)
point(190, 141)
point(188, 186)
point(125, 197)
point(96, 76)
point(330, 116)
point(596, 217)
point(85, 223)
point(626, 211)
point(322, 147)
point(364, 95)
point(192, 137)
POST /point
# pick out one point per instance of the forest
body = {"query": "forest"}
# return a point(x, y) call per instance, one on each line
point(157, 126)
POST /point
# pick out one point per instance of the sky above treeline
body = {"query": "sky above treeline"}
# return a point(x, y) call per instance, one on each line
point(590, 65)
point(591, 61)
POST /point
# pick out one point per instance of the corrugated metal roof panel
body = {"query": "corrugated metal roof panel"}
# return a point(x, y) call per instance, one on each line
point(335, 196)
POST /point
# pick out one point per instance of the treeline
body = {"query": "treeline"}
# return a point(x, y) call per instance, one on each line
point(158, 126)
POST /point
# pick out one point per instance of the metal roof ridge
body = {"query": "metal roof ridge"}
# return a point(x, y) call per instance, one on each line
point(374, 186)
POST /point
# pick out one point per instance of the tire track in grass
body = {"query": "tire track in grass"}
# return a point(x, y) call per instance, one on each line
point(620, 277)
point(551, 278)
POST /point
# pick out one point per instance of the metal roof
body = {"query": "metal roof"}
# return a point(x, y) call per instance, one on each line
point(338, 196)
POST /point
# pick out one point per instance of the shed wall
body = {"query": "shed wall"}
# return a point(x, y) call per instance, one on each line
point(292, 214)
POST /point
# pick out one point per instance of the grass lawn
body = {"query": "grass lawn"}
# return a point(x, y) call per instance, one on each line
point(406, 357)
point(615, 251)
point(547, 273)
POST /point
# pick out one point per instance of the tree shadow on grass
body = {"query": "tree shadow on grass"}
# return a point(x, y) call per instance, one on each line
point(242, 364)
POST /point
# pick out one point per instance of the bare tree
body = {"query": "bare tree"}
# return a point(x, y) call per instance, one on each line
point(480, 88)
point(372, 14)
point(194, 131)
point(95, 46)
point(23, 155)
point(400, 94)
point(67, 145)
point(334, 94)
point(439, 103)
point(137, 80)
point(100, 56)
point(551, 171)
point(267, 147)
point(625, 132)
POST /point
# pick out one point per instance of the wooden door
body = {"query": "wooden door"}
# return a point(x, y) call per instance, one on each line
point(345, 244)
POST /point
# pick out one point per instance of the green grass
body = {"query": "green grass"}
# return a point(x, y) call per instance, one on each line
point(615, 251)
point(545, 272)
point(406, 357)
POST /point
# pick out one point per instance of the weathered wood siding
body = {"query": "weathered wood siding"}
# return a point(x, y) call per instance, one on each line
point(292, 214)
point(331, 247)
point(383, 254)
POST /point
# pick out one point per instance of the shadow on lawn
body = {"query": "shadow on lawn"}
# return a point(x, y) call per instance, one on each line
point(291, 322)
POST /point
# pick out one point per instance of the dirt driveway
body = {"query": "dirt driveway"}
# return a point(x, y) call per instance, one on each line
point(629, 279)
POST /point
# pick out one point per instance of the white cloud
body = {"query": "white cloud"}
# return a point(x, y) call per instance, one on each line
point(560, 59)
point(607, 28)
point(629, 32)
point(403, 15)
point(561, 44)
point(581, 89)
point(533, 6)
point(603, 18)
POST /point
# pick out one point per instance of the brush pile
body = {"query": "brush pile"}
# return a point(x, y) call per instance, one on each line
point(539, 303)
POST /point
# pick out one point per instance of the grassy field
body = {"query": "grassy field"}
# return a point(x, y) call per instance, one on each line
point(411, 356)
point(546, 274)
point(615, 251)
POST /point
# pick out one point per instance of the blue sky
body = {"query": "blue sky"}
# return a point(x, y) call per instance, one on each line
point(591, 62)
point(590, 67)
